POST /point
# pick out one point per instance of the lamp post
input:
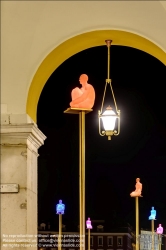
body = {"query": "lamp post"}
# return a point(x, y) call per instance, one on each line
point(60, 208)
point(137, 194)
point(109, 116)
point(81, 112)
point(159, 232)
point(152, 217)
point(89, 227)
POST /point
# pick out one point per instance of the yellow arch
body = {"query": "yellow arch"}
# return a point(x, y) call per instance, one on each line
point(77, 44)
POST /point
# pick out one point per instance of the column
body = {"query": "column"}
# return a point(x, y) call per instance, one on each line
point(19, 152)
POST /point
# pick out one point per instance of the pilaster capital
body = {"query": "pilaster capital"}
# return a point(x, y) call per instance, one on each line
point(21, 134)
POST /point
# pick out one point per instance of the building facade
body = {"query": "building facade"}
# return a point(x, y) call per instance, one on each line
point(98, 241)
point(146, 241)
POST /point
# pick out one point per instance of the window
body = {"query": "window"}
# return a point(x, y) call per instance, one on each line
point(70, 238)
point(119, 241)
point(146, 245)
point(63, 228)
point(129, 242)
point(91, 240)
point(100, 240)
point(100, 228)
point(109, 240)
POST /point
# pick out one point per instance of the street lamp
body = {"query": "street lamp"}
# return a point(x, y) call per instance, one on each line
point(109, 117)
point(159, 232)
point(152, 217)
point(60, 209)
point(89, 227)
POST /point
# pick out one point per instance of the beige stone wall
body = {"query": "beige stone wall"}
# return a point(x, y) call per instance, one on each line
point(30, 30)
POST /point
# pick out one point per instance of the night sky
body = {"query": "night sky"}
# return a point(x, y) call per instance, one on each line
point(138, 81)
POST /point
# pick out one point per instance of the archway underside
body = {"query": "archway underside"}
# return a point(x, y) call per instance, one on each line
point(80, 43)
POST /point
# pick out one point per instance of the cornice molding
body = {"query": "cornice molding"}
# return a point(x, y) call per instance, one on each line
point(21, 134)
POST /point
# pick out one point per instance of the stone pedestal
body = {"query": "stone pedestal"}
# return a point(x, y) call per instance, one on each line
point(19, 152)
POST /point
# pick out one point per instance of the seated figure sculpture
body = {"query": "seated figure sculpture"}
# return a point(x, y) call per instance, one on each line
point(153, 214)
point(60, 208)
point(138, 189)
point(88, 224)
point(83, 97)
point(160, 229)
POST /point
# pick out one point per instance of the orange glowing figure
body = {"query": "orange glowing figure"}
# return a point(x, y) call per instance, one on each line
point(138, 189)
point(83, 97)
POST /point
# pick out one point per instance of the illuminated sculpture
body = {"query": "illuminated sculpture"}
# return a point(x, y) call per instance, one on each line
point(82, 101)
point(83, 97)
point(137, 194)
point(138, 189)
point(60, 208)
point(153, 214)
point(160, 229)
point(88, 224)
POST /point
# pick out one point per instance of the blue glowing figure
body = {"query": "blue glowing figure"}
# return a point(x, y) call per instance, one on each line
point(153, 214)
point(60, 208)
